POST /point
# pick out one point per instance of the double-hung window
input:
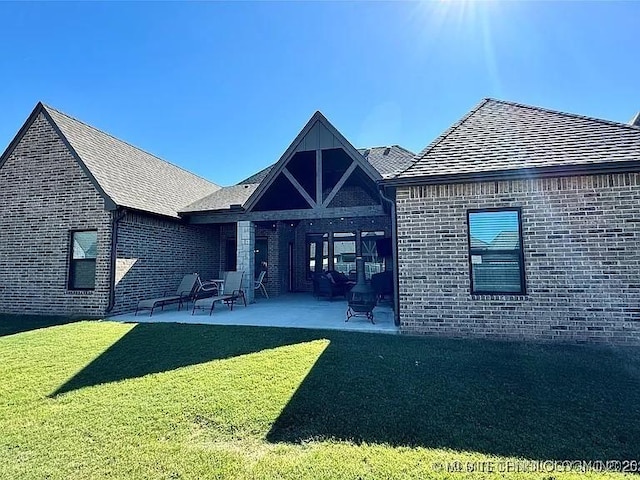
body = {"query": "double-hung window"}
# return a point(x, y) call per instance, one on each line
point(495, 252)
point(82, 260)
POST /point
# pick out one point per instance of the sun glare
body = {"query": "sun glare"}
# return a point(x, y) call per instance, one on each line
point(458, 27)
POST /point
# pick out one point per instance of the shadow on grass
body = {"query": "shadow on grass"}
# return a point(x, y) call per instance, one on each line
point(532, 401)
point(12, 324)
point(159, 347)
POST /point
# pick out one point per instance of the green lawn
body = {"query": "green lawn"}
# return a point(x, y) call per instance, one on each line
point(109, 400)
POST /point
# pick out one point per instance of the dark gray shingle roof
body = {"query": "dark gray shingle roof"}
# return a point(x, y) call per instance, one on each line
point(129, 176)
point(223, 199)
point(388, 161)
point(499, 136)
point(257, 177)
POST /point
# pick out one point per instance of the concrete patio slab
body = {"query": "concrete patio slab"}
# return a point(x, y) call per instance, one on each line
point(292, 311)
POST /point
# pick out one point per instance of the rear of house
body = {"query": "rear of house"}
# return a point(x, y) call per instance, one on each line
point(517, 222)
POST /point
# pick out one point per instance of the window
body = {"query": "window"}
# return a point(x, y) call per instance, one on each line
point(344, 252)
point(82, 264)
point(495, 252)
point(317, 253)
point(373, 261)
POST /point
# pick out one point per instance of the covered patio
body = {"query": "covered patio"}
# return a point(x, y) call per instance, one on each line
point(296, 310)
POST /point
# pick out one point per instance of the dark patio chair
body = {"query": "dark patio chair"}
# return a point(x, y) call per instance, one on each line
point(331, 284)
point(231, 293)
point(185, 292)
point(382, 284)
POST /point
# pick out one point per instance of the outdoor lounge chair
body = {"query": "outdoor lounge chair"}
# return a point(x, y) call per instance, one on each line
point(184, 292)
point(259, 284)
point(231, 292)
point(331, 284)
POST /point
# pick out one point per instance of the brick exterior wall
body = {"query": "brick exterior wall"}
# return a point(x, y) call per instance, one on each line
point(278, 237)
point(44, 194)
point(349, 196)
point(581, 238)
point(153, 254)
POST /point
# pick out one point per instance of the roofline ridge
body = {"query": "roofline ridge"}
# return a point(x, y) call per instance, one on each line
point(444, 135)
point(387, 146)
point(403, 148)
point(566, 114)
point(127, 143)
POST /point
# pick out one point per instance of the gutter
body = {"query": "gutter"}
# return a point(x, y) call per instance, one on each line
point(517, 174)
point(116, 215)
point(394, 255)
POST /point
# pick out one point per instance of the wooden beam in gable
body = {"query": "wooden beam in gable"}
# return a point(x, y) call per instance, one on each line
point(319, 177)
point(299, 187)
point(341, 182)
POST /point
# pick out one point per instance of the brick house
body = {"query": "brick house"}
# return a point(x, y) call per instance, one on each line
point(521, 222)
point(70, 195)
point(517, 222)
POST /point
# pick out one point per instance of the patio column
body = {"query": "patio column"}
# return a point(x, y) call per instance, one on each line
point(246, 240)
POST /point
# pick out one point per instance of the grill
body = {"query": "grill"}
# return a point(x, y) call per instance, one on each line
point(362, 298)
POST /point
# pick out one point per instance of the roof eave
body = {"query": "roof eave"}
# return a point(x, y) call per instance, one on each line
point(517, 174)
point(212, 210)
point(109, 203)
point(25, 126)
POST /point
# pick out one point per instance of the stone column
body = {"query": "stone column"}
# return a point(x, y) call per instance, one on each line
point(246, 240)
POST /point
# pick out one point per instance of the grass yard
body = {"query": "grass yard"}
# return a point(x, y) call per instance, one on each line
point(109, 400)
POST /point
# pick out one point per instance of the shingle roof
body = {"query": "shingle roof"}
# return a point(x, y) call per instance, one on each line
point(131, 177)
point(389, 161)
point(386, 160)
point(257, 177)
point(223, 198)
point(499, 136)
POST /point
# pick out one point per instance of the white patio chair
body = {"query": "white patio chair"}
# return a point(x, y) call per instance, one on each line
point(259, 285)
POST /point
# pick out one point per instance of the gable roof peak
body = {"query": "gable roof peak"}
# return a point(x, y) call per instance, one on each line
point(49, 108)
point(559, 112)
point(499, 137)
point(124, 174)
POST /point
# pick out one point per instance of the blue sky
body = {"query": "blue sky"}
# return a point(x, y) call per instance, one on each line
point(223, 88)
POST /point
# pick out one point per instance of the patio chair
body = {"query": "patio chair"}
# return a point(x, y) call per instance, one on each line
point(331, 284)
point(185, 292)
point(259, 284)
point(232, 292)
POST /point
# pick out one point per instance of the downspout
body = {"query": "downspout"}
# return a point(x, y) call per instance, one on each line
point(394, 256)
point(116, 215)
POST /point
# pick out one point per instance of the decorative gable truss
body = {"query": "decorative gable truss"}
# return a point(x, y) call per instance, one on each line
point(320, 170)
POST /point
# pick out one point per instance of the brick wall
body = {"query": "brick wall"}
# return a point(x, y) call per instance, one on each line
point(153, 254)
point(278, 261)
point(581, 240)
point(349, 196)
point(44, 194)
